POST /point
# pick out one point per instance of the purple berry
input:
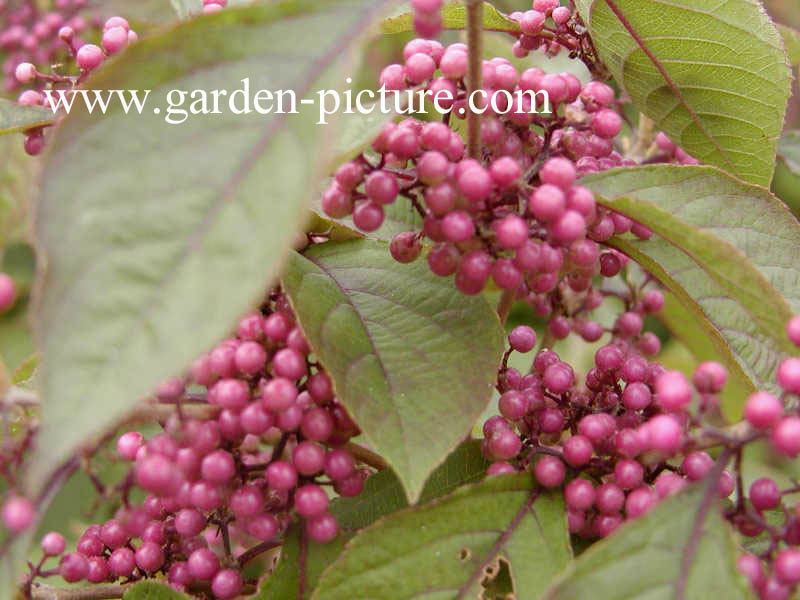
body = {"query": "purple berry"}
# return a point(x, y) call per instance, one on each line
point(639, 501)
point(149, 557)
point(709, 377)
point(308, 458)
point(73, 567)
point(697, 465)
point(18, 514)
point(227, 583)
point(765, 494)
point(189, 522)
point(98, 570)
point(579, 494)
point(218, 467)
point(281, 476)
point(522, 338)
point(310, 500)
point(578, 450)
point(122, 562)
point(628, 474)
point(203, 564)
point(322, 528)
point(549, 471)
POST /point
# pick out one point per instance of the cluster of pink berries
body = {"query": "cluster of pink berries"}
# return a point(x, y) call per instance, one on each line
point(117, 34)
point(217, 486)
point(517, 215)
point(673, 153)
point(31, 36)
point(633, 433)
point(618, 429)
point(561, 31)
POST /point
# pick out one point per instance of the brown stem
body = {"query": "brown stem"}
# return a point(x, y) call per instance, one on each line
point(505, 304)
point(250, 554)
point(645, 133)
point(475, 73)
point(368, 457)
point(41, 591)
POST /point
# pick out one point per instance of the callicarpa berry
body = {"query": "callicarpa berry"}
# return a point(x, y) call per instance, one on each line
point(18, 513)
point(8, 292)
point(53, 544)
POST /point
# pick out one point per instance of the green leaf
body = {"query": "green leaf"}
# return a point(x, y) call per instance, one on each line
point(158, 237)
point(412, 360)
point(25, 372)
point(455, 546)
point(152, 590)
point(454, 16)
point(383, 494)
point(791, 39)
point(681, 549)
point(17, 188)
point(184, 8)
point(713, 77)
point(16, 117)
point(724, 248)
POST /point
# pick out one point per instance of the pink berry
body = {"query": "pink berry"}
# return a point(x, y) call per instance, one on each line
point(579, 494)
point(73, 567)
point(697, 465)
point(203, 564)
point(522, 338)
point(53, 544)
point(227, 583)
point(18, 513)
point(122, 562)
point(709, 377)
point(310, 501)
point(762, 410)
point(114, 40)
point(149, 557)
point(25, 72)
point(789, 375)
point(793, 330)
point(606, 123)
point(128, 444)
point(663, 433)
point(322, 528)
point(89, 57)
point(368, 216)
point(218, 467)
point(673, 392)
point(639, 501)
point(750, 566)
point(786, 436)
point(547, 203)
point(787, 565)
point(549, 471)
point(764, 494)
